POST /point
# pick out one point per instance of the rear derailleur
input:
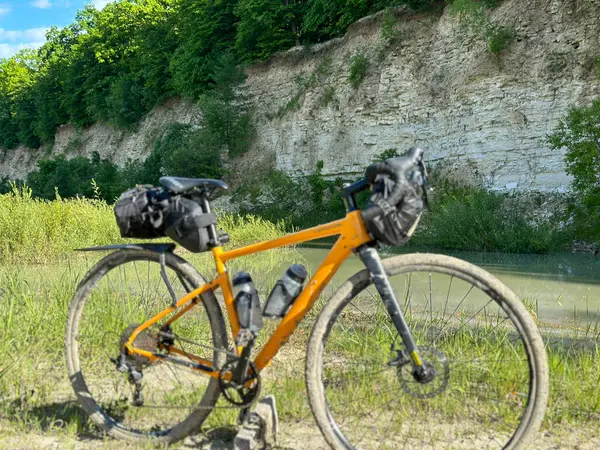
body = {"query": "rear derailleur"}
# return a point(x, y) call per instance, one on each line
point(125, 365)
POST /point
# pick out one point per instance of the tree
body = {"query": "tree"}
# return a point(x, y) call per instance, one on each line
point(208, 30)
point(266, 27)
point(579, 133)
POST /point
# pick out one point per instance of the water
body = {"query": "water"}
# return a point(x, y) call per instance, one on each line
point(564, 288)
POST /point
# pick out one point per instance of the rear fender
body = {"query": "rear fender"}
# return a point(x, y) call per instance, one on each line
point(160, 247)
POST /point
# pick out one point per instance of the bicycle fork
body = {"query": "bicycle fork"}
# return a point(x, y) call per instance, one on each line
point(370, 257)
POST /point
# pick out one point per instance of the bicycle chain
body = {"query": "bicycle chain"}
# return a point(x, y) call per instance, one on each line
point(231, 357)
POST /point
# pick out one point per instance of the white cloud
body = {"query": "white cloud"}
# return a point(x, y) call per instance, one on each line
point(11, 41)
point(99, 4)
point(4, 9)
point(7, 50)
point(42, 4)
point(31, 35)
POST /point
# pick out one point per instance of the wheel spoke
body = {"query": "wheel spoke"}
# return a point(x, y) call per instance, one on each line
point(465, 334)
point(122, 298)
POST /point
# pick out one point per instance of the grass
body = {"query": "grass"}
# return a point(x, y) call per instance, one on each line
point(37, 231)
point(37, 283)
point(357, 71)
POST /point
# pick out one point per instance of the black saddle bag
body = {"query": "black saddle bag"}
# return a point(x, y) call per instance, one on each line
point(140, 212)
point(147, 212)
point(187, 224)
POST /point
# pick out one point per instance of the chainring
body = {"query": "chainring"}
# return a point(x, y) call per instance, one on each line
point(433, 359)
point(239, 395)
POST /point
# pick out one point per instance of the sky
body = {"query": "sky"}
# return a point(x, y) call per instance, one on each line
point(23, 23)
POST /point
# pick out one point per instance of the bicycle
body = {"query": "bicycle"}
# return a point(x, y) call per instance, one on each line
point(434, 376)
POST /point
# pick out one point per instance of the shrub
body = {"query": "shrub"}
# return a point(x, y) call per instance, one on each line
point(473, 18)
point(327, 96)
point(73, 177)
point(473, 218)
point(386, 154)
point(499, 38)
point(357, 71)
point(579, 134)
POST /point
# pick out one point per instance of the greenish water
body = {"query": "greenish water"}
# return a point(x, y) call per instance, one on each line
point(563, 288)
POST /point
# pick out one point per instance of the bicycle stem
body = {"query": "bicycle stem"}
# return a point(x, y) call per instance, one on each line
point(370, 257)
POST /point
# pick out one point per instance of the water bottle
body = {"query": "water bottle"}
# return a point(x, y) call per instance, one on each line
point(246, 302)
point(285, 291)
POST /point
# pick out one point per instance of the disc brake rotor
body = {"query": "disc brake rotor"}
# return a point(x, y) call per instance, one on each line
point(433, 359)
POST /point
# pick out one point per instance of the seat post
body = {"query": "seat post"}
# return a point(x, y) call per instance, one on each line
point(212, 229)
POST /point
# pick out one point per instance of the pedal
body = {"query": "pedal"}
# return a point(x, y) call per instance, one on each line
point(260, 427)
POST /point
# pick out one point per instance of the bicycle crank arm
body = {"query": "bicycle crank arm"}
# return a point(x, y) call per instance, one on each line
point(370, 258)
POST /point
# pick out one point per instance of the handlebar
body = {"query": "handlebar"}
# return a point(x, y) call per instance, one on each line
point(396, 169)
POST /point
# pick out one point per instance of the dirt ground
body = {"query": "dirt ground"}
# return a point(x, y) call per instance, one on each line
point(292, 436)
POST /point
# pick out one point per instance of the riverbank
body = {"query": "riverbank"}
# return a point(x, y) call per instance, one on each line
point(38, 282)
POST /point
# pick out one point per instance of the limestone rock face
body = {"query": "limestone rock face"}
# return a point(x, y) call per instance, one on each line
point(432, 85)
point(117, 145)
point(439, 87)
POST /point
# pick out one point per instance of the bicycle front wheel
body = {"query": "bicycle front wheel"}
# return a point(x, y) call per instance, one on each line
point(490, 387)
point(131, 397)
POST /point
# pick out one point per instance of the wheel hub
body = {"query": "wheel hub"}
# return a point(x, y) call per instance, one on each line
point(426, 381)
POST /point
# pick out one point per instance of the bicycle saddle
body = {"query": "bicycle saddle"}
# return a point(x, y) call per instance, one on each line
point(178, 185)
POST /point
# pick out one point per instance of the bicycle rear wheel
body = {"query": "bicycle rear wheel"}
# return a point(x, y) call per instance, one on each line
point(122, 291)
point(491, 377)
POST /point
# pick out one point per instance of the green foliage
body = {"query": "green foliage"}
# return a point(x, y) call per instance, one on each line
point(207, 30)
point(125, 101)
point(227, 121)
point(473, 218)
point(499, 38)
point(302, 202)
point(303, 84)
point(37, 230)
point(183, 152)
point(359, 65)
point(579, 134)
point(115, 65)
point(329, 18)
point(474, 19)
point(389, 26)
point(73, 178)
point(386, 154)
point(266, 27)
point(327, 96)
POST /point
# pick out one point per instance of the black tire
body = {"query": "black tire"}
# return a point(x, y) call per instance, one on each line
point(80, 378)
point(340, 431)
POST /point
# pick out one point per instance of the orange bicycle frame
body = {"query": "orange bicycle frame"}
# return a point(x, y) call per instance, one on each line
point(352, 234)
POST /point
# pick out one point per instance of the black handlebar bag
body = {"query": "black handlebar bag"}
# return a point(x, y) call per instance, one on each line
point(394, 223)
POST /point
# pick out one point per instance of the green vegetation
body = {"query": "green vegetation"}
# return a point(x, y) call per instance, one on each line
point(473, 218)
point(38, 231)
point(303, 84)
point(182, 150)
point(473, 18)
point(357, 71)
point(327, 96)
point(461, 216)
point(579, 134)
point(115, 65)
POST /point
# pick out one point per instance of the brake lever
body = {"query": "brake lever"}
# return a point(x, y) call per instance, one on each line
point(428, 187)
point(425, 177)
